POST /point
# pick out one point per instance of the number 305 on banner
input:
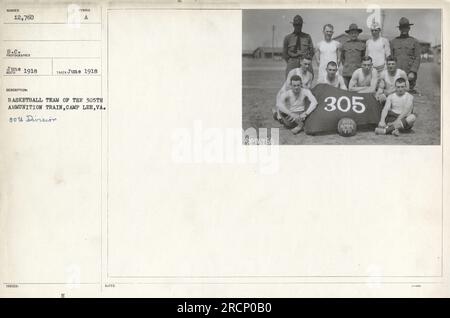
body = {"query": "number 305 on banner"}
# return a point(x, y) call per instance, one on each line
point(344, 104)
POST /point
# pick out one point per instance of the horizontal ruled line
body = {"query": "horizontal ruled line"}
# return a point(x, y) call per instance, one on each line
point(272, 276)
point(49, 57)
point(268, 283)
point(52, 23)
point(177, 9)
point(97, 75)
point(51, 40)
point(228, 283)
point(51, 283)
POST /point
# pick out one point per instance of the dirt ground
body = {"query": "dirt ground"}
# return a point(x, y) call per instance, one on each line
point(263, 78)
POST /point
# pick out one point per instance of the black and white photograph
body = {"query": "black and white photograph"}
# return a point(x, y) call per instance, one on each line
point(224, 155)
point(342, 76)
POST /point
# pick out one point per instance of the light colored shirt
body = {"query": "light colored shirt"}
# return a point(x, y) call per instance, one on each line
point(378, 50)
point(338, 82)
point(359, 79)
point(306, 82)
point(327, 53)
point(389, 81)
point(296, 104)
point(306, 78)
point(400, 103)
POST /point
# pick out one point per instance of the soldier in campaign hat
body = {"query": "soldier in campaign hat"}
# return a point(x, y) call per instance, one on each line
point(297, 46)
point(352, 53)
point(406, 50)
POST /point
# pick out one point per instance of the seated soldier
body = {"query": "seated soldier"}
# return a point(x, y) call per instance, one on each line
point(291, 106)
point(388, 77)
point(397, 112)
point(306, 77)
point(332, 78)
point(303, 71)
point(365, 78)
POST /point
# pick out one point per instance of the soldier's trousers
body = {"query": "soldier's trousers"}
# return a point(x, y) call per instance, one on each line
point(347, 80)
point(412, 82)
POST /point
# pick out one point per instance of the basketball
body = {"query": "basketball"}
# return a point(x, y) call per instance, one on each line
point(346, 127)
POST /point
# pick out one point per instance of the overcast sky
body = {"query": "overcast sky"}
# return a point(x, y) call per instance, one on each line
point(257, 24)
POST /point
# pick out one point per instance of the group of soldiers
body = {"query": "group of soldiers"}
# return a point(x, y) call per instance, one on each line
point(404, 49)
point(386, 68)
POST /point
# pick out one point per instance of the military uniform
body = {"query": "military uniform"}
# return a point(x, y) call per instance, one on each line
point(406, 50)
point(352, 53)
point(295, 48)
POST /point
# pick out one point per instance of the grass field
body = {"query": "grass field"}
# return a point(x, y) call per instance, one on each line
point(263, 78)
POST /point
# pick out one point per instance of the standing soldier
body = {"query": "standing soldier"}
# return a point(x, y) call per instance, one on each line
point(378, 48)
point(406, 50)
point(352, 53)
point(327, 50)
point(297, 46)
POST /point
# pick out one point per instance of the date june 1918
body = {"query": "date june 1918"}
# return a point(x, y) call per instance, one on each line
point(31, 119)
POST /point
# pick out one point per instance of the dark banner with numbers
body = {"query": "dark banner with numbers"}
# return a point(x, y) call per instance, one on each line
point(334, 104)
